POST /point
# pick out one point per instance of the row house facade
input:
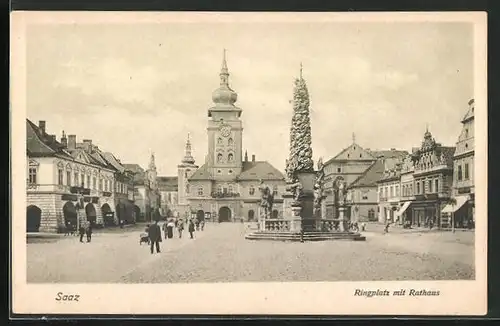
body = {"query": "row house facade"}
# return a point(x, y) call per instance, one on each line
point(461, 210)
point(359, 169)
point(67, 182)
point(417, 189)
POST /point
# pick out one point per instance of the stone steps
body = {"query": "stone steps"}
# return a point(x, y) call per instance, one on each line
point(308, 236)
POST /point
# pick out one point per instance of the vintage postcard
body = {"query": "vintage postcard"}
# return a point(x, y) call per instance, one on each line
point(249, 163)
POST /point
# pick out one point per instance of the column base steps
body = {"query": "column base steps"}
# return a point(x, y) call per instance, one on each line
point(308, 236)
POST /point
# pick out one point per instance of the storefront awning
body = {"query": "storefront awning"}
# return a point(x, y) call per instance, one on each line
point(403, 208)
point(449, 208)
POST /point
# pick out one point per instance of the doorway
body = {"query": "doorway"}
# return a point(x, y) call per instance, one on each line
point(33, 218)
point(91, 213)
point(224, 214)
point(200, 215)
point(69, 213)
point(251, 215)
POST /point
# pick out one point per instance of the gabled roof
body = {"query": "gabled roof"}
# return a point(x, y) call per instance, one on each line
point(42, 144)
point(167, 183)
point(111, 159)
point(470, 112)
point(138, 171)
point(353, 152)
point(260, 170)
point(392, 153)
point(201, 174)
point(370, 177)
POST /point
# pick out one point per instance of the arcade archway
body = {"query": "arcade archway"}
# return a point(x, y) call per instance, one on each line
point(91, 213)
point(200, 215)
point(251, 215)
point(33, 218)
point(70, 215)
point(224, 214)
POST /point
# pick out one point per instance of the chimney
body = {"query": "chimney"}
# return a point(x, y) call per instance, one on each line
point(41, 125)
point(87, 145)
point(64, 140)
point(71, 141)
point(246, 156)
point(253, 157)
point(471, 102)
point(393, 149)
point(52, 138)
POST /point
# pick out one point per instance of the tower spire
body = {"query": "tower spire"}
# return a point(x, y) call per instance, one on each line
point(300, 70)
point(224, 72)
point(188, 157)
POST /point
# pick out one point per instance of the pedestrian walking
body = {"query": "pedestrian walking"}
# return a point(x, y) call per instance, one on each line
point(82, 230)
point(202, 225)
point(191, 229)
point(180, 227)
point(89, 232)
point(363, 226)
point(386, 228)
point(154, 234)
point(197, 223)
point(170, 229)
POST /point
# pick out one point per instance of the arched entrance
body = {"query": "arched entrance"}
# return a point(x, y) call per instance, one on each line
point(200, 215)
point(137, 212)
point(224, 214)
point(251, 215)
point(33, 218)
point(275, 213)
point(90, 213)
point(107, 215)
point(69, 213)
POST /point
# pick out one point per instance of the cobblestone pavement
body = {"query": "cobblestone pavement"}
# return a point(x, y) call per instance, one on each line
point(221, 254)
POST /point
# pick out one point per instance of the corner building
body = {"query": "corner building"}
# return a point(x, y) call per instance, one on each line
point(225, 187)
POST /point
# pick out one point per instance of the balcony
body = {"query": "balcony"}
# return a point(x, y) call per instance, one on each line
point(217, 194)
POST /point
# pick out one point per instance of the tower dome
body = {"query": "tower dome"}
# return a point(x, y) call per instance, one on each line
point(224, 94)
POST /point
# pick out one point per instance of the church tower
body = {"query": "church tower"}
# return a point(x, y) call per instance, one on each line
point(225, 130)
point(151, 173)
point(184, 171)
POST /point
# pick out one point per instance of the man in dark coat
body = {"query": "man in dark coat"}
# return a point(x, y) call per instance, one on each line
point(89, 231)
point(154, 233)
point(191, 228)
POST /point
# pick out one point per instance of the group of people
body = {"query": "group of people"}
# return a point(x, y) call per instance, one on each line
point(155, 232)
point(85, 229)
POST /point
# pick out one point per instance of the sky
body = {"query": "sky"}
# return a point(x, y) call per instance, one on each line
point(140, 88)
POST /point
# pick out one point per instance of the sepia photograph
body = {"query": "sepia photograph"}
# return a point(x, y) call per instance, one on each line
point(219, 154)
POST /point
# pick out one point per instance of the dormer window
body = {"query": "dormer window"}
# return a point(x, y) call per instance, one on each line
point(219, 158)
point(219, 141)
point(230, 157)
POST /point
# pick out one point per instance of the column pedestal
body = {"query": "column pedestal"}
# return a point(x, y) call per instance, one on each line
point(342, 227)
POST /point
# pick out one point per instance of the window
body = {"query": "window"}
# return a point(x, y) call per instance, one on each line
point(200, 191)
point(418, 188)
point(466, 171)
point(111, 185)
point(82, 179)
point(230, 142)
point(411, 190)
point(105, 185)
point(68, 178)
point(219, 172)
point(230, 189)
point(224, 190)
point(32, 175)
point(230, 171)
point(392, 191)
point(371, 214)
point(93, 183)
point(397, 191)
point(230, 158)
point(339, 170)
point(466, 132)
point(423, 187)
point(219, 189)
point(187, 189)
point(251, 191)
point(75, 179)
point(360, 155)
point(60, 176)
point(275, 190)
point(100, 184)
point(436, 185)
point(185, 174)
point(459, 173)
point(430, 185)
point(219, 158)
point(219, 141)
point(88, 181)
point(466, 145)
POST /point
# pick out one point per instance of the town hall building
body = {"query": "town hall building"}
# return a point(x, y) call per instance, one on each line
point(226, 186)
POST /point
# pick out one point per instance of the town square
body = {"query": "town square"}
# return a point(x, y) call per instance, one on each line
point(208, 160)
